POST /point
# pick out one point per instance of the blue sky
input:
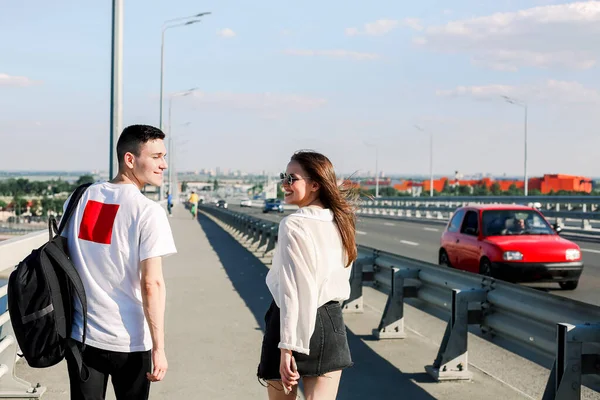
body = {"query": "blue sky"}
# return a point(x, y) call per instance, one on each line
point(274, 77)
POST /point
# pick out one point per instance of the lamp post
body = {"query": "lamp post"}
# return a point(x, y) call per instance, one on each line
point(116, 74)
point(430, 160)
point(524, 105)
point(171, 153)
point(166, 26)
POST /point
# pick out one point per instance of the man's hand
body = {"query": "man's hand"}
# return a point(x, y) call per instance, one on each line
point(288, 371)
point(159, 365)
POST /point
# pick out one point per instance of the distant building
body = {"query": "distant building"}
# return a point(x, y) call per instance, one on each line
point(546, 184)
point(555, 183)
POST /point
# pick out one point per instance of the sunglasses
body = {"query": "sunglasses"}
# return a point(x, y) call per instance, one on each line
point(288, 179)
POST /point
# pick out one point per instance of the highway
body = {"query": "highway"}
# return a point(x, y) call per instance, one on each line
point(420, 241)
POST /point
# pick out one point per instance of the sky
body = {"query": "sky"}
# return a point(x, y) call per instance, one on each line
point(349, 78)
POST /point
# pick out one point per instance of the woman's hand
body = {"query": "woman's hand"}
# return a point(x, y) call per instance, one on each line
point(288, 371)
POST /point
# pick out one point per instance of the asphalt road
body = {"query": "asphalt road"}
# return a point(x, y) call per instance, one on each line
point(421, 241)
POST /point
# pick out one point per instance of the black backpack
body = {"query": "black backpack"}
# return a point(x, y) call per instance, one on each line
point(41, 299)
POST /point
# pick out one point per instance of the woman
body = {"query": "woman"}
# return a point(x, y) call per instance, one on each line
point(305, 335)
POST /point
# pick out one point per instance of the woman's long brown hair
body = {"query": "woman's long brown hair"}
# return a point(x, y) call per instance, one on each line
point(340, 200)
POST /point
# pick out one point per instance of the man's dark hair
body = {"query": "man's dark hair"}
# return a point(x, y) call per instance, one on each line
point(133, 137)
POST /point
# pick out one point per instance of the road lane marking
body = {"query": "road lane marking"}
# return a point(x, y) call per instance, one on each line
point(409, 243)
point(431, 229)
point(591, 251)
point(361, 233)
point(389, 224)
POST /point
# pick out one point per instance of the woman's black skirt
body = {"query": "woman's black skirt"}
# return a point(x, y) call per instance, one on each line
point(329, 349)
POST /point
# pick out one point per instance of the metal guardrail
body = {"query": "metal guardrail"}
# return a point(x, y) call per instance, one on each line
point(585, 209)
point(558, 328)
point(593, 201)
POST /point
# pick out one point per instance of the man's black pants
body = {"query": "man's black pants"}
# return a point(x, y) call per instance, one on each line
point(127, 372)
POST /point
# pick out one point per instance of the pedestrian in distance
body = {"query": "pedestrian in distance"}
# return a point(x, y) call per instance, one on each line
point(305, 335)
point(117, 238)
point(169, 203)
point(194, 204)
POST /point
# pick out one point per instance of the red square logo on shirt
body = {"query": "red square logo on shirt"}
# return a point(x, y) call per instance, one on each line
point(97, 222)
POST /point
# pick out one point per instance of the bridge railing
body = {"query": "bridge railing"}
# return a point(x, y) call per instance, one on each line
point(506, 314)
point(584, 209)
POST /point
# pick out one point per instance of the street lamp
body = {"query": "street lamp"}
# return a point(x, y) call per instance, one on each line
point(430, 160)
point(166, 26)
point(376, 168)
point(162, 63)
point(171, 153)
point(170, 21)
point(524, 105)
point(116, 74)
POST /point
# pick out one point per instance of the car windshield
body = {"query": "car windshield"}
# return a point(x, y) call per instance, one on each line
point(514, 222)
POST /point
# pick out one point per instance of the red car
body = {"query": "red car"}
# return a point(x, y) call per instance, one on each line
point(512, 243)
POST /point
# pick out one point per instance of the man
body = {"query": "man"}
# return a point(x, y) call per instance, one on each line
point(169, 203)
point(116, 238)
point(518, 226)
point(194, 203)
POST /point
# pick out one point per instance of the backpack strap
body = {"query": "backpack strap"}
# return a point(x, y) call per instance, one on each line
point(52, 228)
point(73, 202)
point(84, 372)
point(65, 263)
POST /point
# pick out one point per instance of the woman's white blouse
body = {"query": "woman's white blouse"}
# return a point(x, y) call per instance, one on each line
point(307, 272)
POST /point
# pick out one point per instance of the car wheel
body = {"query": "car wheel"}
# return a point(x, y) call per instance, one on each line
point(443, 259)
point(485, 267)
point(571, 285)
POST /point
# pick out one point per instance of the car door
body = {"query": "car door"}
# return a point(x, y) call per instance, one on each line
point(451, 235)
point(468, 243)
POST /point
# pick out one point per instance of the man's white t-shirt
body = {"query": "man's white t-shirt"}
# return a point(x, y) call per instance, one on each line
point(112, 230)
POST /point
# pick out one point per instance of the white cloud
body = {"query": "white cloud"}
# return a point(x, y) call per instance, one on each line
point(333, 53)
point(380, 27)
point(544, 37)
point(384, 26)
point(377, 28)
point(505, 60)
point(551, 90)
point(413, 23)
point(269, 103)
point(226, 33)
point(20, 81)
point(352, 32)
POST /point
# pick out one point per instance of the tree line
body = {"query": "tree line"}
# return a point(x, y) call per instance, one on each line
point(42, 194)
